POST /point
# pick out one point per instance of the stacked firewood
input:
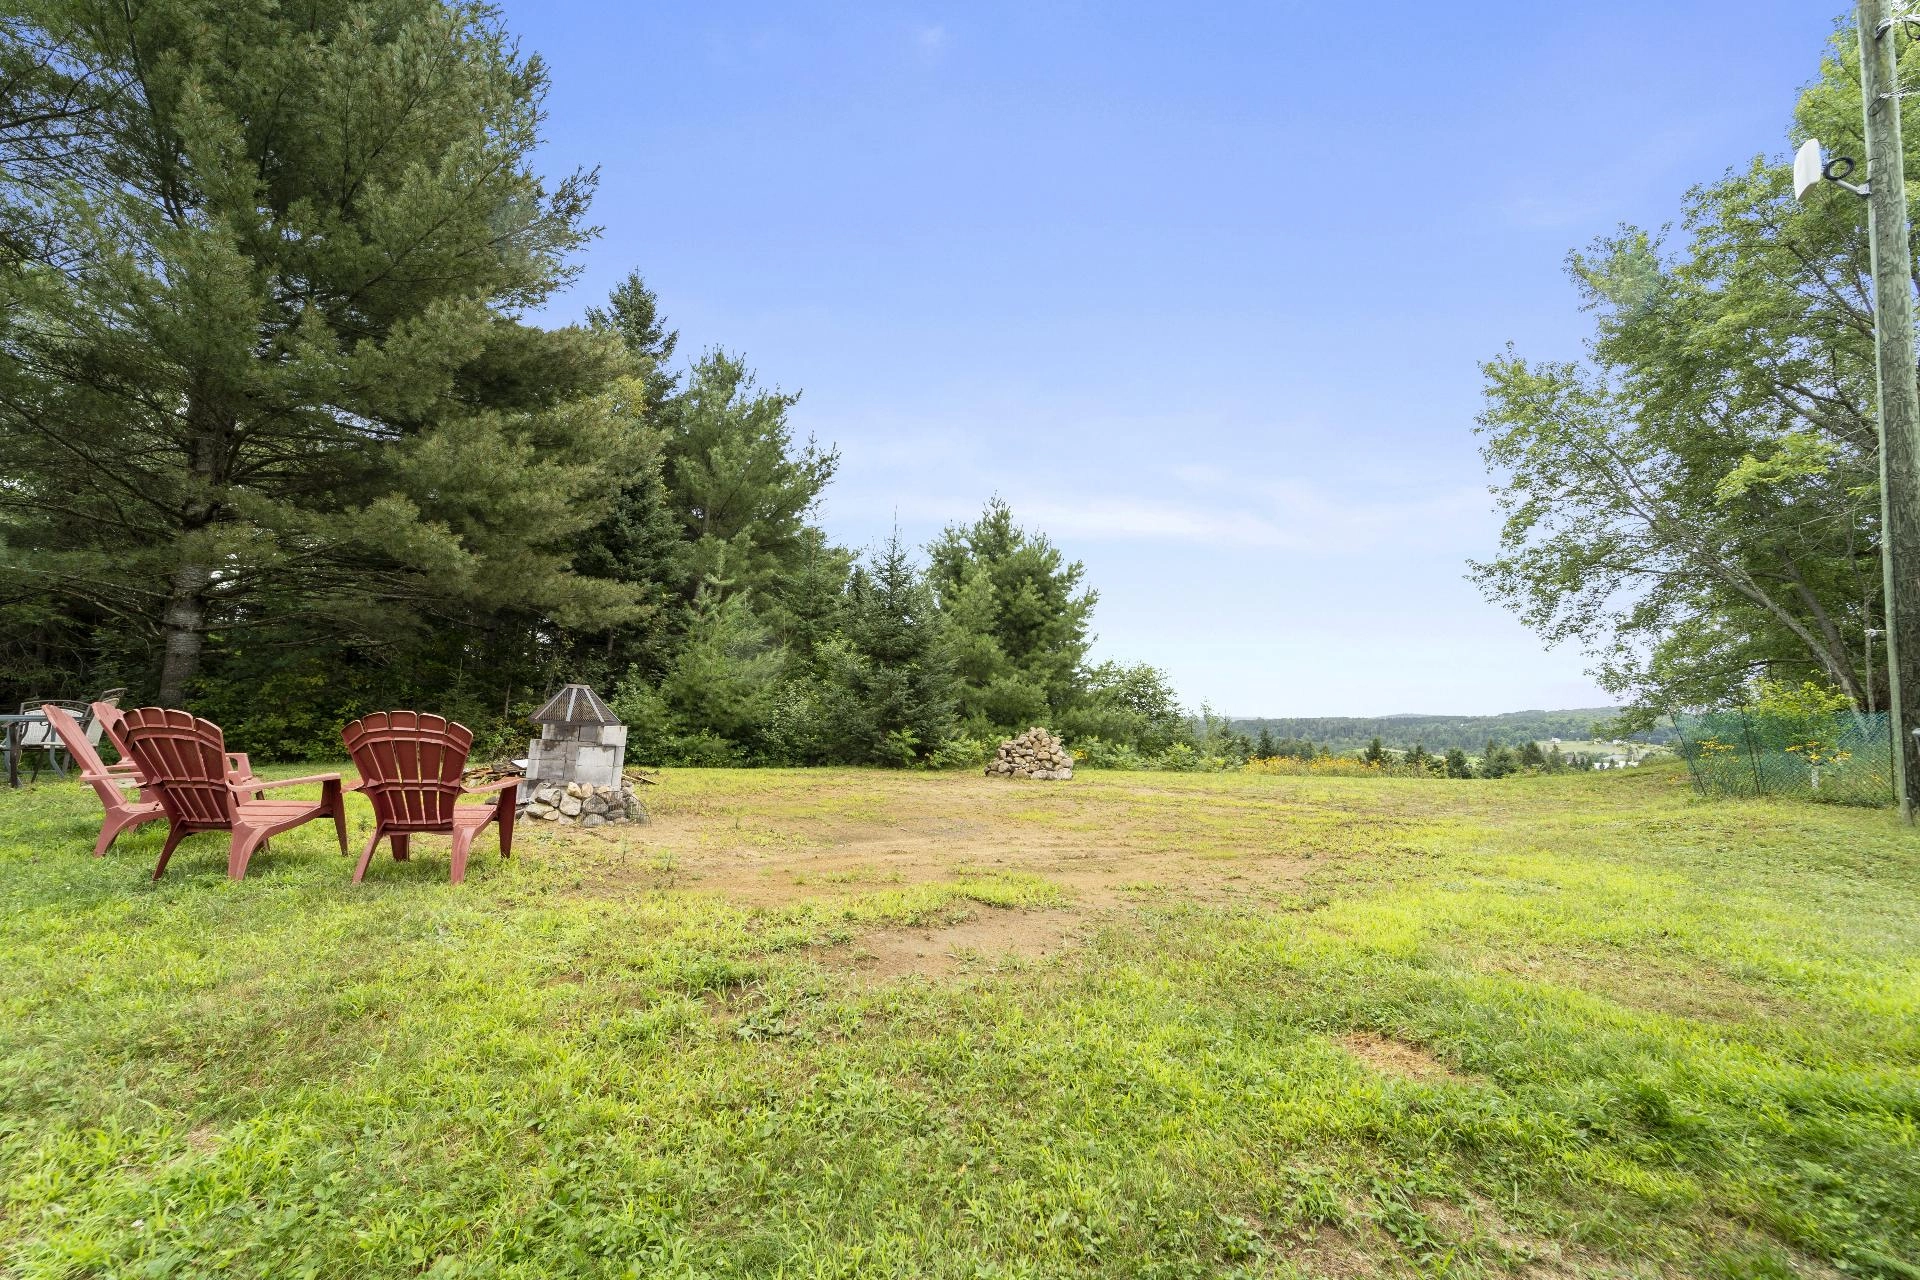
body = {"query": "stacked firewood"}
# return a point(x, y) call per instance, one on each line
point(1034, 754)
point(479, 775)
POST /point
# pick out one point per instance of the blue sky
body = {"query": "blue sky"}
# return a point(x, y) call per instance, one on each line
point(1200, 289)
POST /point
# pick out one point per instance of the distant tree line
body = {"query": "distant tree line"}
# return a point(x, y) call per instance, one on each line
point(1469, 733)
point(1235, 749)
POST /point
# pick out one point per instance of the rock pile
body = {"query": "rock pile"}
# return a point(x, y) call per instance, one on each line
point(568, 803)
point(1034, 754)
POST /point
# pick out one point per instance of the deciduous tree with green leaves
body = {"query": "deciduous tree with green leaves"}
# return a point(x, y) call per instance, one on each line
point(1697, 502)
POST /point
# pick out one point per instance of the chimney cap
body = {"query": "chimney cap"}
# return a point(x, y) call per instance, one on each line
point(575, 704)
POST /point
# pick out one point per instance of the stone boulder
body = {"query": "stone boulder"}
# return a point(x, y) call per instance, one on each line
point(570, 803)
point(1034, 754)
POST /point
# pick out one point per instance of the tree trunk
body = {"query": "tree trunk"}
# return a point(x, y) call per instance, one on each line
point(1833, 655)
point(184, 626)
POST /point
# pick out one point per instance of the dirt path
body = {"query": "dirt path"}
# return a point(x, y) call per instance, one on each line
point(1107, 844)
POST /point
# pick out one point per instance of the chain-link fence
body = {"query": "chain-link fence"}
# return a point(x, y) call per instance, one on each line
point(1842, 758)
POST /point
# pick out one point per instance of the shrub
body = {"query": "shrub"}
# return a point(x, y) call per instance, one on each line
point(961, 752)
point(703, 750)
point(1320, 766)
point(1098, 753)
point(650, 727)
point(1181, 757)
point(900, 748)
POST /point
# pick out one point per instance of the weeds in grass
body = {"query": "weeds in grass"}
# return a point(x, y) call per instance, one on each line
point(1676, 1035)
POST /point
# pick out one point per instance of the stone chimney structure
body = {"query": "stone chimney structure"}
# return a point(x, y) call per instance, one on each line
point(581, 740)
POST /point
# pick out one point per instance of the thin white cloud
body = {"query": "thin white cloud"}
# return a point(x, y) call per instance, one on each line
point(931, 38)
point(1291, 517)
point(929, 473)
point(1151, 520)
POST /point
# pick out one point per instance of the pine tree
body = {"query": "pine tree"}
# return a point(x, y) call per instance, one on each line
point(642, 541)
point(815, 595)
point(721, 687)
point(1496, 761)
point(1019, 618)
point(1375, 754)
point(889, 681)
point(639, 545)
point(744, 490)
point(1458, 765)
point(1265, 748)
point(632, 314)
point(264, 376)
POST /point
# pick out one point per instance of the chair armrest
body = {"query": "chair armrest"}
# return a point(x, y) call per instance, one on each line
point(491, 787)
point(238, 766)
point(112, 778)
point(261, 784)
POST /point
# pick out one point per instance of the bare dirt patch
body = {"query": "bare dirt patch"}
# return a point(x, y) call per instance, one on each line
point(776, 839)
point(798, 838)
point(1481, 1227)
point(1339, 1255)
point(1392, 1057)
point(992, 938)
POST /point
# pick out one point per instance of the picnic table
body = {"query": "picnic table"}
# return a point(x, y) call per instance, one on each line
point(16, 733)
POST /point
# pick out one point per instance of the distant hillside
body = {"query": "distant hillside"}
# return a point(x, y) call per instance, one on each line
point(1438, 733)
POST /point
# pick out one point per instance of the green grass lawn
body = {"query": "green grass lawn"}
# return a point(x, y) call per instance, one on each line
point(1582, 1025)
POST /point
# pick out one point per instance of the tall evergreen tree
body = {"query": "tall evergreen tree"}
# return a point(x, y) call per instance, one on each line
point(732, 487)
point(1019, 616)
point(632, 314)
point(260, 371)
point(889, 679)
point(642, 540)
point(743, 488)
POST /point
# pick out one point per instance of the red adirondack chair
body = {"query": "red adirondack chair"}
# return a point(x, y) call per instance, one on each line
point(113, 720)
point(185, 760)
point(106, 780)
point(410, 768)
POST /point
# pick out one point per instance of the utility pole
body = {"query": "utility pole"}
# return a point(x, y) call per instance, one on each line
point(1899, 396)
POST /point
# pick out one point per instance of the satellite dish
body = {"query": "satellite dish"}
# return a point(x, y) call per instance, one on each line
point(1806, 168)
